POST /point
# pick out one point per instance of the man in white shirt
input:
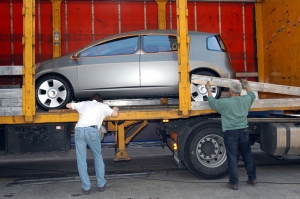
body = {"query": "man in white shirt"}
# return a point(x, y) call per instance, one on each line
point(91, 115)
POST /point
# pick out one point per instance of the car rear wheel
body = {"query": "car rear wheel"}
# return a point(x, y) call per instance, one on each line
point(52, 92)
point(199, 92)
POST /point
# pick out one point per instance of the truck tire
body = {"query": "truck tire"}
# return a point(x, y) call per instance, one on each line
point(205, 154)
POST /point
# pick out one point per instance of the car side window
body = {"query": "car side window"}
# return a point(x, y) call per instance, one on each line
point(120, 46)
point(159, 43)
point(213, 44)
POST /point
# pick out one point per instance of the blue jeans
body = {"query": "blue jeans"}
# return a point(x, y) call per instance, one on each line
point(89, 136)
point(238, 141)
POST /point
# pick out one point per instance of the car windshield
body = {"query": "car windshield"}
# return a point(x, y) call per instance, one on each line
point(120, 46)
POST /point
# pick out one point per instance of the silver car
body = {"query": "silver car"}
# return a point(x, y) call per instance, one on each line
point(140, 64)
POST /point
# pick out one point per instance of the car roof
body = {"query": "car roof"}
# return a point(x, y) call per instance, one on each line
point(144, 32)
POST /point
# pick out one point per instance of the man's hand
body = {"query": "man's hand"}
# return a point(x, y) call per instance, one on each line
point(208, 87)
point(115, 113)
point(244, 83)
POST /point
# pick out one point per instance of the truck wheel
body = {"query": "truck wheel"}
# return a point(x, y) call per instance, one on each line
point(205, 154)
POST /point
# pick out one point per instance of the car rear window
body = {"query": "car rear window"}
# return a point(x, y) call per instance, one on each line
point(215, 43)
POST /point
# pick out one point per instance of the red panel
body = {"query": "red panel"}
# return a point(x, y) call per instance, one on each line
point(249, 21)
point(191, 15)
point(232, 33)
point(171, 20)
point(43, 38)
point(106, 18)
point(132, 16)
point(208, 17)
point(5, 39)
point(152, 22)
point(79, 24)
point(64, 50)
point(18, 32)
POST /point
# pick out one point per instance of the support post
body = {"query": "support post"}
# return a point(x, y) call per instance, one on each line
point(121, 153)
point(28, 42)
point(161, 4)
point(56, 25)
point(183, 58)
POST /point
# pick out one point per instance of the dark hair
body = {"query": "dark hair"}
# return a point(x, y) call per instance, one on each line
point(97, 97)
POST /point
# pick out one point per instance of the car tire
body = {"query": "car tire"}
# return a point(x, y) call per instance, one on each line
point(52, 92)
point(205, 153)
point(199, 92)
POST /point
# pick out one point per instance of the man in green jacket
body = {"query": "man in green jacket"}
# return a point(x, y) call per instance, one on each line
point(234, 112)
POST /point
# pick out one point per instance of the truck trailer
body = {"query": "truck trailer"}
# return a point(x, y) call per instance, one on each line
point(192, 130)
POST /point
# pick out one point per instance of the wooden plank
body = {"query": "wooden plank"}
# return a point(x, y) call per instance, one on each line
point(255, 86)
point(10, 111)
point(10, 93)
point(9, 86)
point(17, 102)
point(259, 104)
point(11, 70)
point(247, 74)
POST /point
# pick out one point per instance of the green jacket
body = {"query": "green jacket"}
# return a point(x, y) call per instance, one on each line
point(233, 110)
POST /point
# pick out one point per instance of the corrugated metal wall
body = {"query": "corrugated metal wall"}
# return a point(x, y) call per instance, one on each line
point(86, 20)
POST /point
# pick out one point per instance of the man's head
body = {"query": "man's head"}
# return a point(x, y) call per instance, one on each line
point(235, 87)
point(97, 97)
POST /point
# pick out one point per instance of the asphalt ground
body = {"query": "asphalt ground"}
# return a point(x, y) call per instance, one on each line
point(151, 174)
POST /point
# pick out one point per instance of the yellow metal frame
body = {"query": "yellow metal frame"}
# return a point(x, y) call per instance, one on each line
point(56, 23)
point(28, 94)
point(129, 116)
point(161, 4)
point(277, 33)
point(120, 137)
point(183, 58)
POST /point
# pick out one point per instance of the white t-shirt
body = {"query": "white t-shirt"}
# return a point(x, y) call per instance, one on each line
point(91, 113)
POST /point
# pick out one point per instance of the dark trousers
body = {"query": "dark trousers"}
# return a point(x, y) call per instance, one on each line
point(238, 141)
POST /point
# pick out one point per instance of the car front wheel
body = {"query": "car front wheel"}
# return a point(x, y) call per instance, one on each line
point(52, 92)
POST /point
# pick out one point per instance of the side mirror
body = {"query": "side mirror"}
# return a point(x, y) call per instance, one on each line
point(73, 57)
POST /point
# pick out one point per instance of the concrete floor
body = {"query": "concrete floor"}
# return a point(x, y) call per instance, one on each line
point(155, 177)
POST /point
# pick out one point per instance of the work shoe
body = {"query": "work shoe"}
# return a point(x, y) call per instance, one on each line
point(252, 182)
point(101, 189)
point(86, 192)
point(231, 186)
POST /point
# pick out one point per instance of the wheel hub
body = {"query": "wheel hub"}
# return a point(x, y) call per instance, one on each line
point(202, 90)
point(208, 149)
point(211, 151)
point(199, 92)
point(52, 93)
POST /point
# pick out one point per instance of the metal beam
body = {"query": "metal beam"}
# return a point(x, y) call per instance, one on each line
point(161, 4)
point(28, 42)
point(56, 26)
point(183, 58)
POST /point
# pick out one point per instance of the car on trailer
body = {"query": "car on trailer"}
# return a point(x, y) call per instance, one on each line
point(139, 64)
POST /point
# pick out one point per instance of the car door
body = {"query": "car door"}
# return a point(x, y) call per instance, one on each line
point(159, 62)
point(113, 65)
